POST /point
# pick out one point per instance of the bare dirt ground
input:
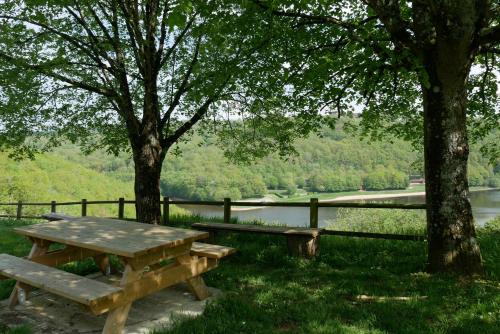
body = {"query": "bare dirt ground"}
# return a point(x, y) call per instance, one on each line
point(47, 313)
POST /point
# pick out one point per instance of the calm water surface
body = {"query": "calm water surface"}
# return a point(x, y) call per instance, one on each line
point(485, 206)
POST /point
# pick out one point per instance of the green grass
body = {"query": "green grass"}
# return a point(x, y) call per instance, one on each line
point(353, 286)
point(22, 329)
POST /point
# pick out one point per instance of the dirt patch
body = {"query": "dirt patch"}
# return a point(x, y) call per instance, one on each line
point(47, 313)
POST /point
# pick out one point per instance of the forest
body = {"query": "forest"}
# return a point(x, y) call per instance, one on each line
point(333, 161)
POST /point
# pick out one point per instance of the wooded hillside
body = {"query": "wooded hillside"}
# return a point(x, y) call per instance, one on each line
point(51, 177)
point(334, 162)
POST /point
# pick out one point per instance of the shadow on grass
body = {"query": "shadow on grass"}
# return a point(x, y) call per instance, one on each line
point(353, 286)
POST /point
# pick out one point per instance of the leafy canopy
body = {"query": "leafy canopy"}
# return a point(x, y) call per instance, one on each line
point(346, 57)
point(101, 73)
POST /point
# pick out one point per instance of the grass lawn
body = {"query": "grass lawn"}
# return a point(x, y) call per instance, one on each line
point(353, 286)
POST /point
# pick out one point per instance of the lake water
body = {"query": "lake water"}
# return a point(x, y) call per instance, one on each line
point(485, 206)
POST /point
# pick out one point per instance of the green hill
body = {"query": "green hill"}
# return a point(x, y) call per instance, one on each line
point(51, 177)
point(332, 162)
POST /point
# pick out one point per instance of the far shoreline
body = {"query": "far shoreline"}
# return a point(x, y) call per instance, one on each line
point(395, 195)
point(343, 198)
point(348, 198)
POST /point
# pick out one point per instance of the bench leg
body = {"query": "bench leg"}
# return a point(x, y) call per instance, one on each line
point(102, 261)
point(36, 250)
point(195, 284)
point(211, 237)
point(198, 287)
point(302, 246)
point(115, 322)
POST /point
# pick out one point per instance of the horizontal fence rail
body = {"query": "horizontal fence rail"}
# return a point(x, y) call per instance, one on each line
point(314, 204)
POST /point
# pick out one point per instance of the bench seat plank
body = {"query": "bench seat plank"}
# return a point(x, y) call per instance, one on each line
point(77, 288)
point(313, 232)
point(211, 251)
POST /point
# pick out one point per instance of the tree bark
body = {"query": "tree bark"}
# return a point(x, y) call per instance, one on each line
point(148, 151)
point(452, 243)
point(148, 159)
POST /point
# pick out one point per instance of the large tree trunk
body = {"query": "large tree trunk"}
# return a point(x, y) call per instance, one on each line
point(452, 243)
point(148, 151)
point(148, 159)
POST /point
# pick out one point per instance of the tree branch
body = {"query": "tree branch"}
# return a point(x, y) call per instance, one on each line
point(86, 48)
point(131, 34)
point(189, 124)
point(389, 13)
point(92, 37)
point(182, 88)
point(490, 36)
point(198, 115)
point(178, 39)
point(75, 83)
point(308, 17)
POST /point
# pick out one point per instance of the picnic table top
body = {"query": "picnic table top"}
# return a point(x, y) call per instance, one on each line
point(112, 236)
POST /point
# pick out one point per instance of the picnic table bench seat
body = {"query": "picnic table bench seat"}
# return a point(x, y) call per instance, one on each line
point(80, 289)
point(211, 251)
point(301, 241)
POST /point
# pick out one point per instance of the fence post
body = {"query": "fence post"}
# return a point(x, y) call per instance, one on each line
point(84, 207)
point(121, 207)
point(227, 210)
point(19, 210)
point(166, 210)
point(53, 206)
point(313, 218)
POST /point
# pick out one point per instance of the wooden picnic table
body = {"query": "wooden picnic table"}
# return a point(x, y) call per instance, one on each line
point(139, 246)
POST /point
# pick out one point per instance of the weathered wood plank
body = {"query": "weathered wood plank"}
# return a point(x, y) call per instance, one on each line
point(302, 245)
point(151, 282)
point(376, 235)
point(118, 317)
point(161, 254)
point(196, 284)
point(211, 251)
point(61, 283)
point(123, 238)
point(37, 249)
point(258, 229)
point(313, 213)
point(65, 255)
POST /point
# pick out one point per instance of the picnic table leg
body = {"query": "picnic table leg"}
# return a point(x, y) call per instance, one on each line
point(37, 249)
point(195, 284)
point(102, 261)
point(117, 317)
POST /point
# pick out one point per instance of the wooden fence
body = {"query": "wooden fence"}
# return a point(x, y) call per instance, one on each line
point(227, 204)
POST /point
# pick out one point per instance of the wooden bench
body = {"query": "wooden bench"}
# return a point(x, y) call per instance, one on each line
point(211, 251)
point(77, 288)
point(301, 241)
